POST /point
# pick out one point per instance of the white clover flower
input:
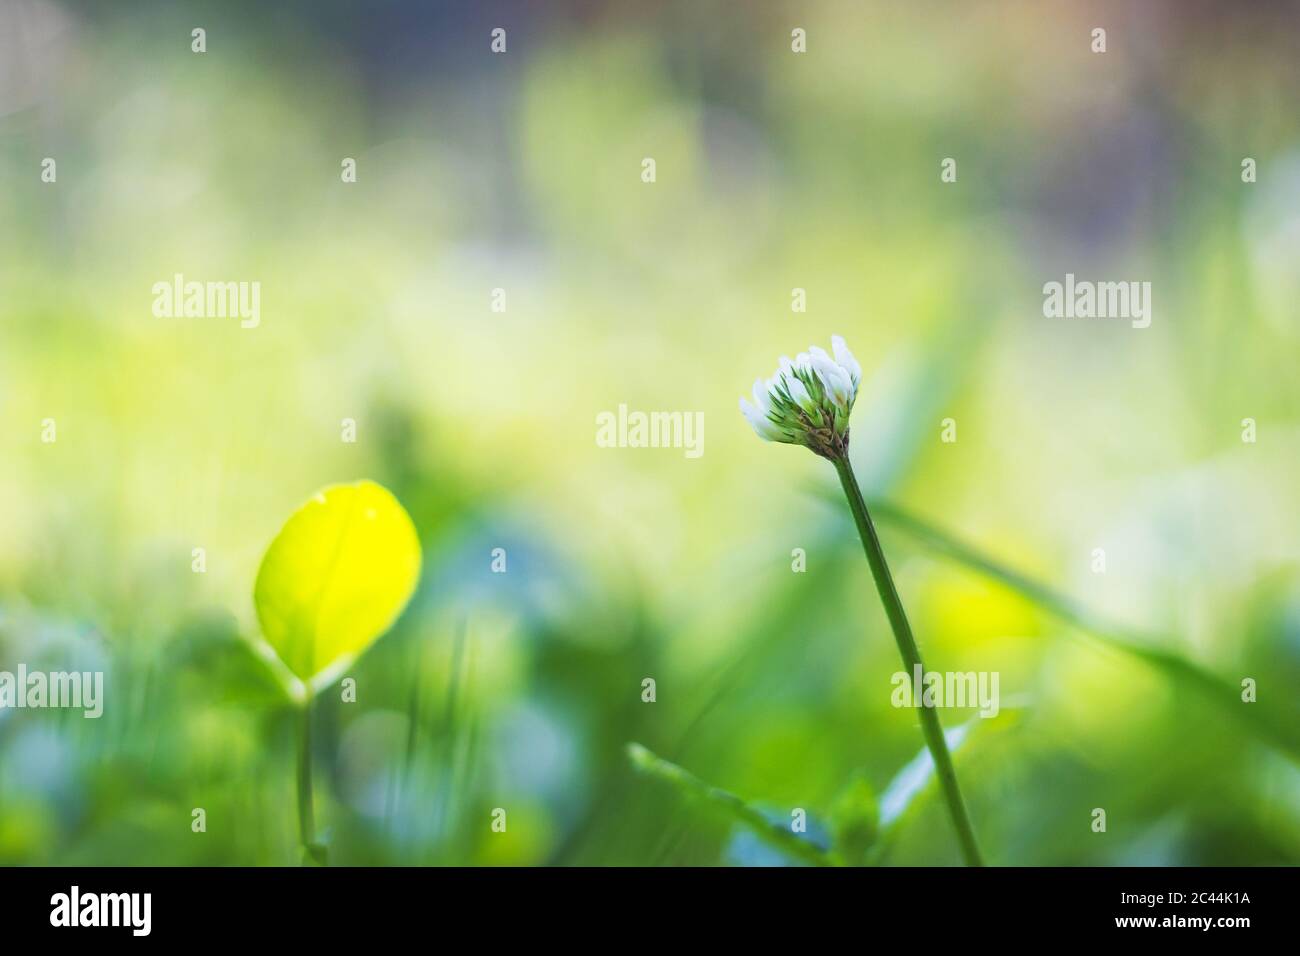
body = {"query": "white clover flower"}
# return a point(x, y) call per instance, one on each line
point(807, 402)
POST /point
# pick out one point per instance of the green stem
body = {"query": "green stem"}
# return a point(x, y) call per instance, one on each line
point(930, 726)
point(306, 822)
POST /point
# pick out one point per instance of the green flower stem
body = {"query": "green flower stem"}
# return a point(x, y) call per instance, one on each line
point(306, 822)
point(930, 726)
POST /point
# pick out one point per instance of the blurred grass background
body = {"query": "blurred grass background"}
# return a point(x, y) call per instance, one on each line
point(774, 170)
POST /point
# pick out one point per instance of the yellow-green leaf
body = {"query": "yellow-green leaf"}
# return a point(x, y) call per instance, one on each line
point(335, 578)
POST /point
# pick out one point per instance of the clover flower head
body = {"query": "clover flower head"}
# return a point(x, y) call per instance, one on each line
point(808, 400)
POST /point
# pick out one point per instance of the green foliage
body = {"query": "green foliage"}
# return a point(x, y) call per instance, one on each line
point(521, 689)
point(855, 819)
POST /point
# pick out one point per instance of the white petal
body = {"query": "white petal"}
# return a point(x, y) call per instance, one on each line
point(759, 422)
point(845, 358)
point(835, 379)
point(798, 392)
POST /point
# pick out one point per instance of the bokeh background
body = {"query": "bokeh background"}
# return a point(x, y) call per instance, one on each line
point(774, 170)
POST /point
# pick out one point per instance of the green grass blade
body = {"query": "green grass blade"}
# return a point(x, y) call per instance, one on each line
point(1281, 730)
point(691, 786)
point(906, 787)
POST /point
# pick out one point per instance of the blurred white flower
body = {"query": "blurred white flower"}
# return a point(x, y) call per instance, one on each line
point(808, 400)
